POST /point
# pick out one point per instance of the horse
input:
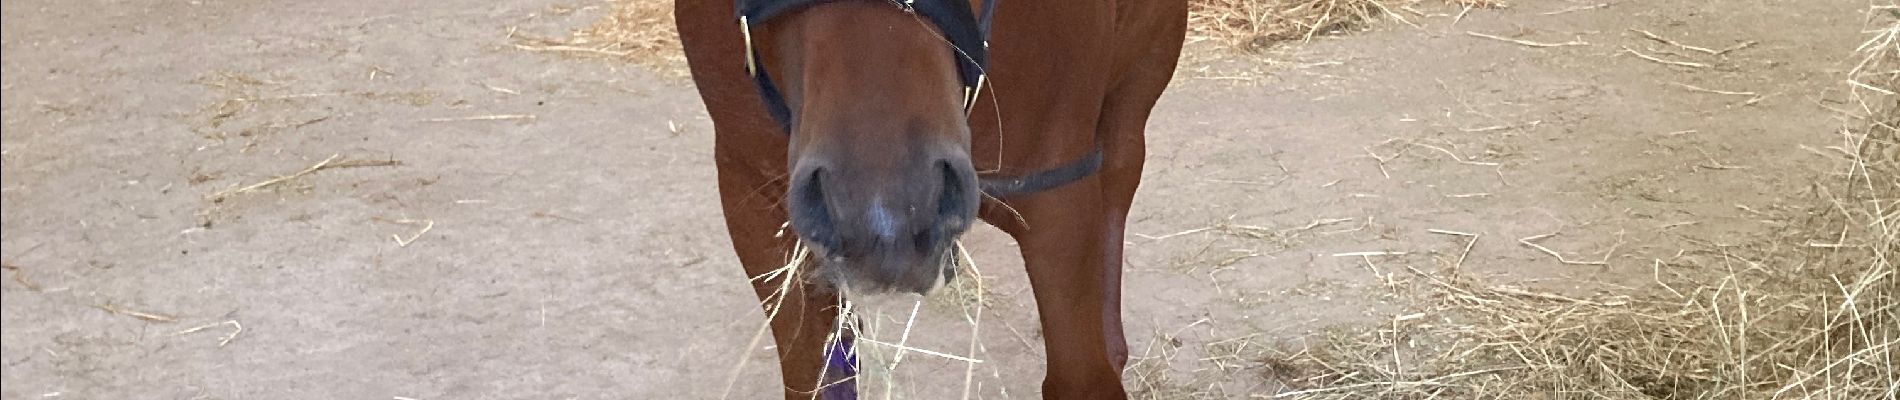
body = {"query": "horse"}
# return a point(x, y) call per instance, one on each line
point(876, 132)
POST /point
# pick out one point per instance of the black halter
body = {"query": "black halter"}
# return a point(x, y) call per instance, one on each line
point(968, 35)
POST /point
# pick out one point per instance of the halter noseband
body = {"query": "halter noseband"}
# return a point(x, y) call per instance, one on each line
point(968, 35)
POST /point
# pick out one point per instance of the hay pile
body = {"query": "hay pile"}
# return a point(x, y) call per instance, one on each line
point(1813, 314)
point(643, 30)
point(1256, 24)
point(1238, 40)
point(639, 31)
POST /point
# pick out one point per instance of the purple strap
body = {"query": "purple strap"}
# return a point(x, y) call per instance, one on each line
point(841, 362)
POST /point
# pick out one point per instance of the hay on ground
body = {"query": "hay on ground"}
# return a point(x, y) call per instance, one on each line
point(1257, 24)
point(639, 31)
point(1815, 315)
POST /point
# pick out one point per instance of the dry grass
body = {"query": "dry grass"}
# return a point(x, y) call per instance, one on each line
point(880, 333)
point(1237, 40)
point(1816, 320)
point(326, 164)
point(1745, 335)
point(883, 333)
point(1257, 24)
point(640, 31)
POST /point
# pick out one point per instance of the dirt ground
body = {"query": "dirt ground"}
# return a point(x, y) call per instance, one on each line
point(510, 224)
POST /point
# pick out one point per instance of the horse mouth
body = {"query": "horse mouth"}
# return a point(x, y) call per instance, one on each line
point(878, 273)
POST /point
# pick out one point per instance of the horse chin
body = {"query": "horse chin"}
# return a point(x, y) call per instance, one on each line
point(866, 276)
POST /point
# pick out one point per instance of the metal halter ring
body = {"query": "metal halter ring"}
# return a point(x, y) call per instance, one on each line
point(745, 30)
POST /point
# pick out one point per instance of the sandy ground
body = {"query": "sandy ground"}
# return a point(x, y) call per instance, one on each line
point(507, 224)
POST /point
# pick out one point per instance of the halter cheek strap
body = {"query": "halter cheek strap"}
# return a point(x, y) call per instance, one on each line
point(774, 101)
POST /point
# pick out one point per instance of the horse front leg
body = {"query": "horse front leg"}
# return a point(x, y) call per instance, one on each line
point(802, 312)
point(1062, 241)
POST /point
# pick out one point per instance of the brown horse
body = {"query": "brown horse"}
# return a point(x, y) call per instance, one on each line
point(852, 120)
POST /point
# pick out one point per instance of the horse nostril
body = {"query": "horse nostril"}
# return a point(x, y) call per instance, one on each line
point(955, 203)
point(810, 213)
point(921, 239)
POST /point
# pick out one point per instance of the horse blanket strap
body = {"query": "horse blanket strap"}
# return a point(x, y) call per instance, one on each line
point(968, 37)
point(968, 34)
